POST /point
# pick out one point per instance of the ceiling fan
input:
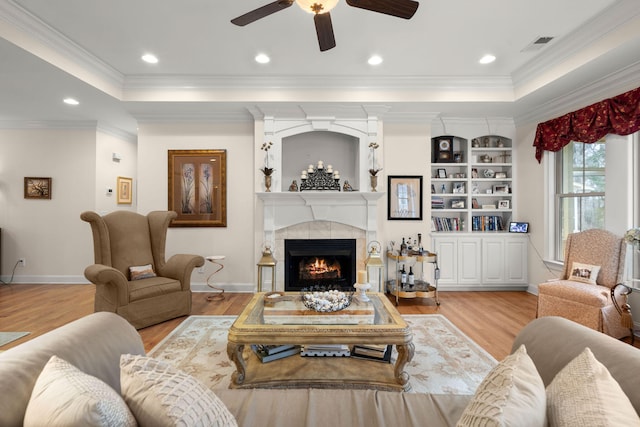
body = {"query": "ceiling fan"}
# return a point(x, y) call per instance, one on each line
point(322, 18)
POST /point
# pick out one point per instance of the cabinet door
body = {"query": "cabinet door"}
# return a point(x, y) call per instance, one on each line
point(447, 250)
point(469, 257)
point(493, 261)
point(516, 260)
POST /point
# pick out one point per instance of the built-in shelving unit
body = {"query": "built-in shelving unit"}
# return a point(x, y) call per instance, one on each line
point(471, 184)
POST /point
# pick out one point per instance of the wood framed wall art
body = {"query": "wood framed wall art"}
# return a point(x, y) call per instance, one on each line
point(124, 190)
point(404, 197)
point(198, 187)
point(37, 188)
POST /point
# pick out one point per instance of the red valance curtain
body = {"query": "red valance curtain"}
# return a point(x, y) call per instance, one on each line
point(619, 115)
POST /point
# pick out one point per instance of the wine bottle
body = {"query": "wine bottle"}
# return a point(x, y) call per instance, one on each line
point(403, 247)
point(403, 276)
point(411, 278)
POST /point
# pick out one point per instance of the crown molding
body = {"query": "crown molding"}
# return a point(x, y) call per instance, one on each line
point(608, 86)
point(584, 37)
point(116, 132)
point(49, 124)
point(43, 41)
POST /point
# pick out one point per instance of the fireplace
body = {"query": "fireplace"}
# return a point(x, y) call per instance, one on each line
point(323, 262)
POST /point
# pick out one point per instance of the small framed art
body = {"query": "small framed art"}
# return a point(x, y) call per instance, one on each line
point(504, 204)
point(404, 197)
point(37, 188)
point(125, 190)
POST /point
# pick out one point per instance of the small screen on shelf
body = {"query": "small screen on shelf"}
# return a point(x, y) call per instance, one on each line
point(519, 227)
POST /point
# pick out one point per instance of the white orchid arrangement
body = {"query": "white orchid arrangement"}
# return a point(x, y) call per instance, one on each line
point(373, 147)
point(266, 147)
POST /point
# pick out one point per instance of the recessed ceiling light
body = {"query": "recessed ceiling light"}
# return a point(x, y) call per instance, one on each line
point(150, 58)
point(487, 59)
point(262, 58)
point(70, 101)
point(375, 60)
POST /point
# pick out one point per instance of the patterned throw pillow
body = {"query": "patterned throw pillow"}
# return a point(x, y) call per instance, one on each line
point(584, 393)
point(161, 395)
point(141, 272)
point(65, 396)
point(512, 394)
point(586, 273)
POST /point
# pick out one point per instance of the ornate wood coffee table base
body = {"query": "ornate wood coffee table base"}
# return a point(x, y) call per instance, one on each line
point(320, 372)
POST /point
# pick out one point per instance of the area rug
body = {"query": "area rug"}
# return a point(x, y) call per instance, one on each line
point(446, 361)
point(7, 337)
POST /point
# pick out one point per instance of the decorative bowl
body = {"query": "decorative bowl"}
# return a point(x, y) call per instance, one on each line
point(326, 300)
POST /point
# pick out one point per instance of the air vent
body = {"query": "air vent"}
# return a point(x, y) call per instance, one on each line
point(537, 44)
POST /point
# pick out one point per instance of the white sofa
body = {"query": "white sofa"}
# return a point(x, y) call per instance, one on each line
point(94, 345)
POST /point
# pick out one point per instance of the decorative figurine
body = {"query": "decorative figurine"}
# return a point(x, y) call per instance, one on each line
point(347, 186)
point(293, 186)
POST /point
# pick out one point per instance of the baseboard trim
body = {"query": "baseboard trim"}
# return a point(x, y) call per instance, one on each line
point(228, 287)
point(46, 280)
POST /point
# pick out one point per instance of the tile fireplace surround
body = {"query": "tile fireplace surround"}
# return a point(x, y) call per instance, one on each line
point(319, 215)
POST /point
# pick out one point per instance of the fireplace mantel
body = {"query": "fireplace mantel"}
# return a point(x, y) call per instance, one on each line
point(283, 209)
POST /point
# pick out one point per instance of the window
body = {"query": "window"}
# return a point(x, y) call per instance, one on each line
point(579, 191)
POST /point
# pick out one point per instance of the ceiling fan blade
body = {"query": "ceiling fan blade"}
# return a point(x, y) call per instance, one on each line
point(324, 29)
point(399, 8)
point(261, 12)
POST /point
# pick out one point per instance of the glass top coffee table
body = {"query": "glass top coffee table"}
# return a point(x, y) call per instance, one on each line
point(289, 322)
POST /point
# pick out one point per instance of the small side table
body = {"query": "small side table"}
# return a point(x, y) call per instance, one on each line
point(629, 286)
point(215, 260)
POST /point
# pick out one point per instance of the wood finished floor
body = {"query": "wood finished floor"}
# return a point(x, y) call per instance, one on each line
point(491, 319)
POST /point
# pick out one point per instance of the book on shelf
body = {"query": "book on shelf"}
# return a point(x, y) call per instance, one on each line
point(378, 353)
point(266, 357)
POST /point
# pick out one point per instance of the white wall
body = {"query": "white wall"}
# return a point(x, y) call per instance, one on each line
point(48, 233)
point(236, 241)
point(406, 152)
point(108, 170)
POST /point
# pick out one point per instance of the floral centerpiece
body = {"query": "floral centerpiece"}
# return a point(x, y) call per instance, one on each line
point(632, 236)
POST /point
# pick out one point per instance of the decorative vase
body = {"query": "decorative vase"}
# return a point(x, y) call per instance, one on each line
point(267, 183)
point(374, 182)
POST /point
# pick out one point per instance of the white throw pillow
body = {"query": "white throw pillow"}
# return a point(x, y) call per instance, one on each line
point(141, 272)
point(161, 395)
point(512, 394)
point(586, 273)
point(65, 396)
point(584, 394)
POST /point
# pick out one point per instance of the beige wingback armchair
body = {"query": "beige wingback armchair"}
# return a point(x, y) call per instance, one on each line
point(124, 239)
point(587, 303)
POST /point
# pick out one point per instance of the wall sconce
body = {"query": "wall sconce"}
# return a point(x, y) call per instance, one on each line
point(116, 157)
point(374, 265)
point(267, 261)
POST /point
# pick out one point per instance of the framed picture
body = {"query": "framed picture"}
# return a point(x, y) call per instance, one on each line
point(474, 173)
point(458, 188)
point(125, 190)
point(457, 204)
point(198, 187)
point(442, 173)
point(457, 156)
point(501, 189)
point(474, 204)
point(37, 188)
point(504, 204)
point(404, 197)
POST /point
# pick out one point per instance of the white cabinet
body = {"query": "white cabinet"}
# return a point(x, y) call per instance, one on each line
point(481, 261)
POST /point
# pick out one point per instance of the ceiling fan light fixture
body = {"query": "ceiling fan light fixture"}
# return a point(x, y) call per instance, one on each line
point(317, 6)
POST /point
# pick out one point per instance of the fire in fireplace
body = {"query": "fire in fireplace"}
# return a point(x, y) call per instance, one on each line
point(323, 262)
